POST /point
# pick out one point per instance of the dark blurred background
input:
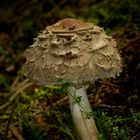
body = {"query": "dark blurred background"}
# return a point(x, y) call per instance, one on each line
point(22, 20)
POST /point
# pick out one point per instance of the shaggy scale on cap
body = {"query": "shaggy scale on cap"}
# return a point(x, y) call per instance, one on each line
point(74, 51)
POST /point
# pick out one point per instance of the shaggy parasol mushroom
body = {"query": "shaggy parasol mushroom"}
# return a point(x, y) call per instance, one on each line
point(77, 52)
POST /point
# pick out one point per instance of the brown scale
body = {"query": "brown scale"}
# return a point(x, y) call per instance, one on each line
point(74, 51)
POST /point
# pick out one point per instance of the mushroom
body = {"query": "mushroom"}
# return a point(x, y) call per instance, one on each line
point(77, 52)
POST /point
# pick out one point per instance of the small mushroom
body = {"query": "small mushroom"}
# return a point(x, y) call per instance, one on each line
point(77, 52)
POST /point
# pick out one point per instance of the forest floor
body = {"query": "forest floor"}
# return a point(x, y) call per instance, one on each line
point(30, 112)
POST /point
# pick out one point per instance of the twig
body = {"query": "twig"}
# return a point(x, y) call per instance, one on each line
point(136, 137)
point(111, 106)
point(14, 83)
point(22, 84)
point(16, 133)
point(12, 98)
point(59, 102)
point(109, 84)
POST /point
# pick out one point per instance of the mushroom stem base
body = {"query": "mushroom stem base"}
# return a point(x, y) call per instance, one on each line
point(81, 114)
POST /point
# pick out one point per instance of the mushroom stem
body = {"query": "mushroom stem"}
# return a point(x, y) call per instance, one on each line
point(81, 113)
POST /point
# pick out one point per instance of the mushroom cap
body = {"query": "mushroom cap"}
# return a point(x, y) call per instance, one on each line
point(74, 51)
